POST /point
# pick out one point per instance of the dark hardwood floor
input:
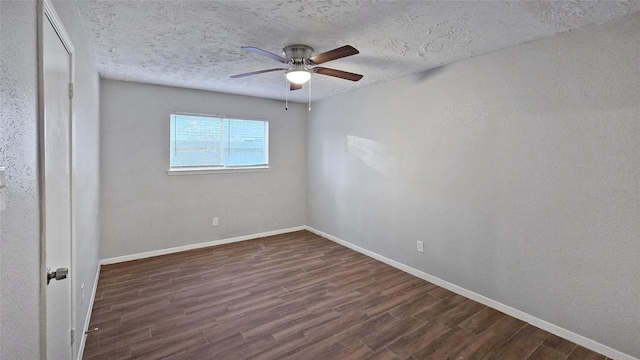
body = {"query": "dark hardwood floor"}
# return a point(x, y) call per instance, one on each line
point(297, 296)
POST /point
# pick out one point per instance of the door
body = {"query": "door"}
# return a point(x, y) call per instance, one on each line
point(56, 77)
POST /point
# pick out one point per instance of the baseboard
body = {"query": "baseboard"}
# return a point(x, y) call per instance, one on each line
point(542, 324)
point(88, 319)
point(172, 250)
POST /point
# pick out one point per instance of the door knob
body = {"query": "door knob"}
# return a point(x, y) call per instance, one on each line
point(59, 274)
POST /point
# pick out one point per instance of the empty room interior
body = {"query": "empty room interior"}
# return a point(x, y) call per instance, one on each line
point(447, 180)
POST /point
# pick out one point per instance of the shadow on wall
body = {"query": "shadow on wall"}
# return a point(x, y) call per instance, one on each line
point(426, 75)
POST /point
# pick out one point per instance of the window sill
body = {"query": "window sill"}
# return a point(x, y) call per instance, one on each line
point(204, 171)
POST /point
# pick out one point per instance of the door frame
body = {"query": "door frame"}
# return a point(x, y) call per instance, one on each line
point(46, 12)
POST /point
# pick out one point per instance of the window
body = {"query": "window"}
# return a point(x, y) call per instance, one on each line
point(201, 142)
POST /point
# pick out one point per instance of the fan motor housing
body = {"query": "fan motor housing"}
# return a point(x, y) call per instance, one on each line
point(297, 52)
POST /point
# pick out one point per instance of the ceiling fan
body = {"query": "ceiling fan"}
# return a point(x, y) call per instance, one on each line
point(302, 64)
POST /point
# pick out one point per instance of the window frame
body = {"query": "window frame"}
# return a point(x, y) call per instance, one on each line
point(197, 170)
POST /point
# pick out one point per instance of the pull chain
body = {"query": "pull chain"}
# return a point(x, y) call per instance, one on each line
point(309, 95)
point(286, 93)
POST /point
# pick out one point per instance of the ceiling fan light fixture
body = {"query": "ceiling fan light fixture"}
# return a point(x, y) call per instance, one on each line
point(298, 76)
point(302, 63)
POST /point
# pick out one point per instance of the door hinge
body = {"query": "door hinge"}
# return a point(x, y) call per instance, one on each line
point(73, 336)
point(70, 91)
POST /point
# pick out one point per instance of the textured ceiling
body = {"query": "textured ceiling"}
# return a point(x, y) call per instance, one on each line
point(196, 44)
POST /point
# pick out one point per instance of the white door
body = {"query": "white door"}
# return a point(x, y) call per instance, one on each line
point(57, 190)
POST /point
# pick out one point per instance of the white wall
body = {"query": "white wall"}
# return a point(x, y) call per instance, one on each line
point(519, 170)
point(20, 252)
point(21, 311)
point(144, 209)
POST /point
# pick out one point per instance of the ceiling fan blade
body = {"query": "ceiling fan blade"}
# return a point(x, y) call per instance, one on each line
point(337, 73)
point(295, 86)
point(255, 73)
point(275, 57)
point(338, 53)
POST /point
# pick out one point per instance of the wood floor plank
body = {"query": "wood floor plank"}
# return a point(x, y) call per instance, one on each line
point(163, 347)
point(460, 313)
point(409, 343)
point(383, 354)
point(297, 296)
point(335, 326)
point(337, 298)
point(285, 347)
point(209, 350)
point(116, 353)
point(521, 345)
point(507, 326)
point(395, 300)
point(277, 323)
point(110, 338)
point(303, 325)
point(439, 308)
point(482, 320)
point(366, 301)
point(388, 333)
point(407, 308)
point(545, 353)
point(446, 345)
point(360, 331)
point(559, 344)
point(355, 352)
point(484, 344)
point(328, 348)
point(249, 350)
point(182, 323)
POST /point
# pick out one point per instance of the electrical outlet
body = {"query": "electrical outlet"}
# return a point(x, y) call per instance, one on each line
point(420, 245)
point(215, 222)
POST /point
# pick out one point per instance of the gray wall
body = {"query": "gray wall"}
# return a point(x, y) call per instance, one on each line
point(144, 209)
point(519, 170)
point(20, 309)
